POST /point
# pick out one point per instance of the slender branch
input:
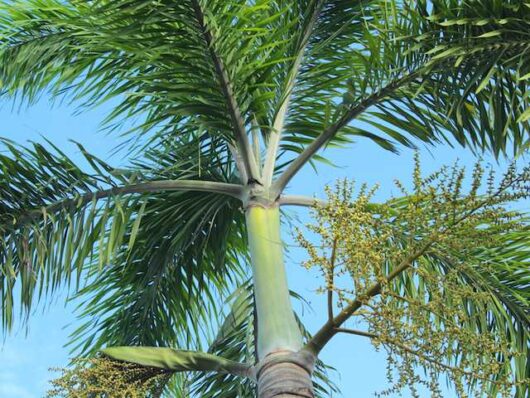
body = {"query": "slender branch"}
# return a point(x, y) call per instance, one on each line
point(357, 333)
point(331, 272)
point(408, 349)
point(279, 119)
point(326, 332)
point(330, 304)
point(228, 92)
point(299, 200)
point(233, 190)
point(306, 201)
point(352, 113)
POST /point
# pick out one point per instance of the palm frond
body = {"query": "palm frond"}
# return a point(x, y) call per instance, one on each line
point(61, 225)
point(455, 69)
point(420, 71)
point(329, 63)
point(501, 276)
point(177, 68)
point(164, 289)
point(51, 220)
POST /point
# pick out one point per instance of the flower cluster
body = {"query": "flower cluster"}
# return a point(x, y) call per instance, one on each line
point(436, 272)
point(102, 377)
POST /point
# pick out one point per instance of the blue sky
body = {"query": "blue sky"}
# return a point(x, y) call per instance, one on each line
point(27, 354)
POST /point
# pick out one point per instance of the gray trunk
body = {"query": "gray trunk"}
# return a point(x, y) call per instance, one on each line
point(284, 380)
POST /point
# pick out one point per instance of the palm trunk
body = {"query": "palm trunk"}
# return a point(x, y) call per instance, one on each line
point(285, 380)
point(278, 334)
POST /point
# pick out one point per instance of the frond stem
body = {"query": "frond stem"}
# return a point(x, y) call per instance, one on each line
point(239, 163)
point(307, 201)
point(352, 113)
point(300, 200)
point(279, 119)
point(235, 113)
point(233, 190)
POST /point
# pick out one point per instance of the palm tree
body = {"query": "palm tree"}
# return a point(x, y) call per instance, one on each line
point(224, 101)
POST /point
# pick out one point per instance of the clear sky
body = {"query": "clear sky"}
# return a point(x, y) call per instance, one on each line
point(26, 355)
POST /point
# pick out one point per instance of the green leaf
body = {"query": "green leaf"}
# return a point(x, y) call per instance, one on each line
point(136, 225)
point(49, 221)
point(422, 68)
point(524, 116)
point(492, 33)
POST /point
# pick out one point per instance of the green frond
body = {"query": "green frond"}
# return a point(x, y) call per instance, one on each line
point(51, 220)
point(164, 289)
point(503, 274)
point(153, 57)
point(63, 226)
point(447, 71)
point(329, 64)
point(166, 285)
point(408, 72)
point(500, 275)
point(149, 269)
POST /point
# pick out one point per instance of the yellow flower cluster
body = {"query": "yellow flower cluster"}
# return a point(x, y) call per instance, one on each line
point(105, 378)
point(426, 259)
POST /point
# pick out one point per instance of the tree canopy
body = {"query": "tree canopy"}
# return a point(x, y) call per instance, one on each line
point(219, 104)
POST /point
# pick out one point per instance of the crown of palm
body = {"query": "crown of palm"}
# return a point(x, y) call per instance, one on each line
point(228, 94)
